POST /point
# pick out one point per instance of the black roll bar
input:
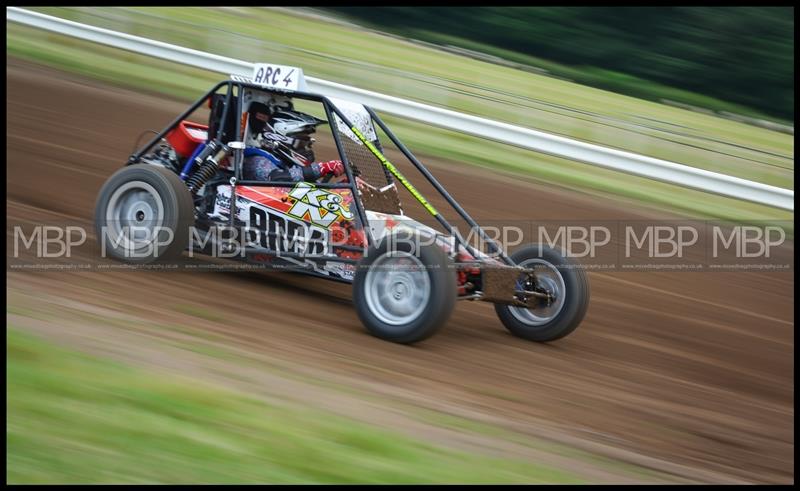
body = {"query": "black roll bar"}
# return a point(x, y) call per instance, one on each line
point(452, 202)
point(386, 165)
point(136, 156)
point(330, 111)
point(362, 214)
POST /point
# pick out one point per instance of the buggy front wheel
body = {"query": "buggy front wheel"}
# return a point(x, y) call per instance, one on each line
point(403, 290)
point(564, 280)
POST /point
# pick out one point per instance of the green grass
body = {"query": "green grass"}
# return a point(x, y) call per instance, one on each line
point(73, 418)
point(470, 426)
point(401, 68)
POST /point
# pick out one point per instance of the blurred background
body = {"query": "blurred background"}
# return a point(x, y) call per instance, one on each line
point(673, 377)
point(708, 56)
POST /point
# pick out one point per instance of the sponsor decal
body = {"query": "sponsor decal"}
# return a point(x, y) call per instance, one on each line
point(300, 220)
point(342, 270)
point(318, 206)
point(279, 232)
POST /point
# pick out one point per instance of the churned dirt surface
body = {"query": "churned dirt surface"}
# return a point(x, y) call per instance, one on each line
point(689, 375)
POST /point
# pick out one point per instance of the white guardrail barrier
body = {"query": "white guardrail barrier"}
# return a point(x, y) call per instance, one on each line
point(539, 141)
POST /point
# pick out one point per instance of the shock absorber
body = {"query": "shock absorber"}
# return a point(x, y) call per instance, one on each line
point(209, 166)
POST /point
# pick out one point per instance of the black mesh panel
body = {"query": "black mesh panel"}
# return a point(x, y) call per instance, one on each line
point(367, 166)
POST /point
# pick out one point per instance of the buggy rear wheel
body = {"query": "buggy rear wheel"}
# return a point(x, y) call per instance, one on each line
point(564, 280)
point(404, 291)
point(143, 214)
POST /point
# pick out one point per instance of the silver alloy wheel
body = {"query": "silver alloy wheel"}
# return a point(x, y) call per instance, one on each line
point(397, 288)
point(549, 278)
point(134, 215)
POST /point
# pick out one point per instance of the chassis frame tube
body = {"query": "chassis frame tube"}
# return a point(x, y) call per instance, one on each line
point(138, 155)
point(435, 183)
point(328, 106)
point(330, 109)
point(238, 154)
point(411, 189)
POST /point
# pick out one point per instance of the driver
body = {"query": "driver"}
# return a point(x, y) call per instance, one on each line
point(279, 146)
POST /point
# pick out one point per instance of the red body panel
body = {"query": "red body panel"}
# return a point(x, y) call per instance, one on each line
point(186, 137)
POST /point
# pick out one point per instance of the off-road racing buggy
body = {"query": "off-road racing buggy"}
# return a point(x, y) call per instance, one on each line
point(185, 189)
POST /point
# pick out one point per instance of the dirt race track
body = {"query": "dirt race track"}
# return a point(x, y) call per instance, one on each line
point(687, 374)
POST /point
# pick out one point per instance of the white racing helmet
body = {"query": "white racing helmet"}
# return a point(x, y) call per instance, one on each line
point(288, 133)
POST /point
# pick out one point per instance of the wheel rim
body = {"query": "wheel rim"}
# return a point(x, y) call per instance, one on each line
point(549, 278)
point(135, 212)
point(397, 286)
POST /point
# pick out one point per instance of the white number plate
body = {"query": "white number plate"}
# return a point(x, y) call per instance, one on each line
point(279, 77)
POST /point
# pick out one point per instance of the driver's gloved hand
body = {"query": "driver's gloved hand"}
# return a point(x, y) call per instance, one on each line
point(334, 167)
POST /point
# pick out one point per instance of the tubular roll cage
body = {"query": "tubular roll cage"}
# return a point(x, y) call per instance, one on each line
point(330, 110)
